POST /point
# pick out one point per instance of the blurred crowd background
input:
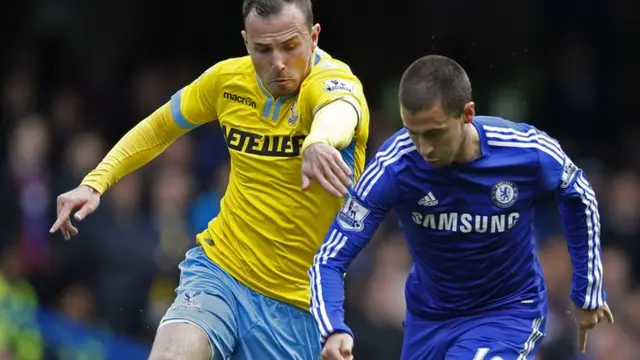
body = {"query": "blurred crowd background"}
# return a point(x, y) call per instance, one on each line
point(76, 75)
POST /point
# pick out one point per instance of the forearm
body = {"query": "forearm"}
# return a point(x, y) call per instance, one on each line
point(139, 146)
point(351, 231)
point(334, 124)
point(581, 223)
point(327, 283)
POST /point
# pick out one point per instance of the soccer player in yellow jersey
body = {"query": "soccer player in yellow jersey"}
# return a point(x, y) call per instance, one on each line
point(296, 123)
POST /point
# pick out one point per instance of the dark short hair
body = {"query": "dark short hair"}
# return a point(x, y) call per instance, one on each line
point(433, 80)
point(266, 8)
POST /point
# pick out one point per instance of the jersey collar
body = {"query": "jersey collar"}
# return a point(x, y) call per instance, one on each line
point(484, 146)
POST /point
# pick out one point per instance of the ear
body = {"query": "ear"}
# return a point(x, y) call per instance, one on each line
point(246, 42)
point(469, 112)
point(315, 35)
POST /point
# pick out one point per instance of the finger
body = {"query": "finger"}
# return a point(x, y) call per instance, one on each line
point(68, 226)
point(331, 353)
point(343, 165)
point(608, 314)
point(597, 319)
point(329, 174)
point(306, 182)
point(63, 216)
point(324, 183)
point(347, 344)
point(582, 340)
point(319, 177)
point(68, 230)
point(60, 201)
point(338, 167)
point(346, 347)
point(85, 210)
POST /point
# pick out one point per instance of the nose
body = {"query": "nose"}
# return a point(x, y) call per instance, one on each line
point(425, 148)
point(278, 61)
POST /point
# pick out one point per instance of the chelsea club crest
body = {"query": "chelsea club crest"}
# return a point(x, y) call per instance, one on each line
point(504, 194)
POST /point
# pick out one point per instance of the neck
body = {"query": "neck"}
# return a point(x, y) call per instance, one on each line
point(470, 148)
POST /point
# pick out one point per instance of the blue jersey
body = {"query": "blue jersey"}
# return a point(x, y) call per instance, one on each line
point(469, 227)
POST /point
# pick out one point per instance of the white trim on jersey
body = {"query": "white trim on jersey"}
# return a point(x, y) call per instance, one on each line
point(508, 137)
point(318, 307)
point(401, 145)
point(593, 297)
point(375, 166)
point(535, 335)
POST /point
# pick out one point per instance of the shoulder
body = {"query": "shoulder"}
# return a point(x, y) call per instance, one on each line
point(517, 137)
point(328, 80)
point(382, 172)
point(234, 66)
point(326, 68)
point(396, 143)
point(498, 124)
point(395, 153)
point(226, 70)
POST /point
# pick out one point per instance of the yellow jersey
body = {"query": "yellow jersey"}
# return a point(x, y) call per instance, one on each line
point(268, 229)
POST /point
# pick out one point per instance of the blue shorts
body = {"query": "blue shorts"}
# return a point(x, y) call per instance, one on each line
point(490, 337)
point(240, 323)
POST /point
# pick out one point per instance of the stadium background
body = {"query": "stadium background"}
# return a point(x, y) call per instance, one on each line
point(77, 74)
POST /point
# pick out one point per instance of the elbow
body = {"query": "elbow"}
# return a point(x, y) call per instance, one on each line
point(161, 125)
point(319, 267)
point(347, 110)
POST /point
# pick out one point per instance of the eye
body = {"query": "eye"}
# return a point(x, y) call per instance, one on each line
point(433, 134)
point(290, 46)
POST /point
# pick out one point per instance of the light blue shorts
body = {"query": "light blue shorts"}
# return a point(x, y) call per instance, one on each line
point(240, 323)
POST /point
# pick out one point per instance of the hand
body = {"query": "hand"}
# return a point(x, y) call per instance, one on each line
point(324, 164)
point(82, 197)
point(588, 319)
point(339, 346)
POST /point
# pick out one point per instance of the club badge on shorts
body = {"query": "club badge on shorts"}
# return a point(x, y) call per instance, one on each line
point(190, 300)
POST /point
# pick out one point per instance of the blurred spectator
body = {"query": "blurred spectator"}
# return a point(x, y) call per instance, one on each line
point(170, 197)
point(19, 331)
point(19, 95)
point(122, 258)
point(207, 204)
point(30, 181)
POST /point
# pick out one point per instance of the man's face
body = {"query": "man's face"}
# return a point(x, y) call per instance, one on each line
point(437, 136)
point(281, 48)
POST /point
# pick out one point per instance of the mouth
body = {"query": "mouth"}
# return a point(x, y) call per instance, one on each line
point(281, 80)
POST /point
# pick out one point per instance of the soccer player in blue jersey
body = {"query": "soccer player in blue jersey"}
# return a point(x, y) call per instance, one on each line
point(463, 188)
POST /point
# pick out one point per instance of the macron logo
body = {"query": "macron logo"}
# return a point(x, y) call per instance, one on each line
point(428, 200)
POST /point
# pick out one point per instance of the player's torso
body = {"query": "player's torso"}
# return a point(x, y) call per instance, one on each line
point(471, 226)
point(268, 229)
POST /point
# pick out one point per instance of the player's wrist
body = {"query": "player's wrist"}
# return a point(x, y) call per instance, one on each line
point(313, 141)
point(581, 304)
point(343, 330)
point(91, 188)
